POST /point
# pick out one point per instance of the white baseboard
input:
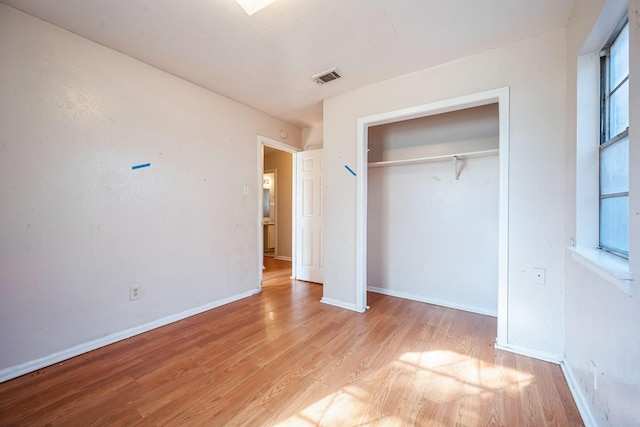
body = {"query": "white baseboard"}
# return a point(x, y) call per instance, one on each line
point(578, 396)
point(574, 386)
point(557, 358)
point(341, 304)
point(541, 355)
point(283, 258)
point(33, 365)
point(547, 356)
point(433, 301)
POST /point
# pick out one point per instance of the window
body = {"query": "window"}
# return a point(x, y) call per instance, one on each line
point(614, 143)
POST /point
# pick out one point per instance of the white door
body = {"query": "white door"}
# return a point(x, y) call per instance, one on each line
point(309, 238)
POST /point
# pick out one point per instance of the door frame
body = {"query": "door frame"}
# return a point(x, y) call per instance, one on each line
point(499, 96)
point(268, 142)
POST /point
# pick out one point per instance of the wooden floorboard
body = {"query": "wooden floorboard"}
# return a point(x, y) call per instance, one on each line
point(281, 358)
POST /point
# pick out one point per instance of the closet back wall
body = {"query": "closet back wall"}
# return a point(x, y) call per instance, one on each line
point(431, 237)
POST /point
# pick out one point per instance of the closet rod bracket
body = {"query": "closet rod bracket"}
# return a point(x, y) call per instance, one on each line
point(456, 167)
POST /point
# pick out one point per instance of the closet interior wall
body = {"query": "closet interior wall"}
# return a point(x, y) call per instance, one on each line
point(433, 219)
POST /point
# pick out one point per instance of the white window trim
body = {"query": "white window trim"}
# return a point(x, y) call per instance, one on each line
point(611, 268)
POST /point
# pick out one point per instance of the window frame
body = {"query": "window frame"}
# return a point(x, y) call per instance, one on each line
point(606, 140)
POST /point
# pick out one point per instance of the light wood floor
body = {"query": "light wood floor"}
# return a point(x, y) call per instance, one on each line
point(283, 358)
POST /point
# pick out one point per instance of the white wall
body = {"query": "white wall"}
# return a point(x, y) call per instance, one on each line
point(602, 322)
point(434, 238)
point(78, 226)
point(461, 131)
point(312, 138)
point(431, 237)
point(534, 70)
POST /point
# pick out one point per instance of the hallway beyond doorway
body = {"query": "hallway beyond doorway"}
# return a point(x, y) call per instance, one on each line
point(275, 271)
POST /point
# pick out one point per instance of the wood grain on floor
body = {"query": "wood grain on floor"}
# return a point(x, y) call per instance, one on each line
point(281, 358)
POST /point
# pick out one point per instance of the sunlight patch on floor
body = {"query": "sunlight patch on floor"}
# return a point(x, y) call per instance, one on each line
point(453, 369)
point(339, 408)
point(439, 376)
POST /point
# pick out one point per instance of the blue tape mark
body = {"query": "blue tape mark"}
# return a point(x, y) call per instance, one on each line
point(145, 165)
point(350, 170)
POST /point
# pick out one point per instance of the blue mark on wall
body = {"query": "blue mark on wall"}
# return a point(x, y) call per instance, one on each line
point(350, 170)
point(144, 165)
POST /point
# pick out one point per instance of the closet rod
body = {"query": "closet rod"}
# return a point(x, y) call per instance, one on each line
point(432, 159)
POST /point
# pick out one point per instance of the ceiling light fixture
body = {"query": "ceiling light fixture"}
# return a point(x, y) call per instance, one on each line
point(253, 6)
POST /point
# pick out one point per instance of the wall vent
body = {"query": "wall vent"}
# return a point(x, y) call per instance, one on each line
point(326, 76)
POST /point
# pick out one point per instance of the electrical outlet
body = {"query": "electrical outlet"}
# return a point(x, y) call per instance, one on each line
point(539, 276)
point(134, 292)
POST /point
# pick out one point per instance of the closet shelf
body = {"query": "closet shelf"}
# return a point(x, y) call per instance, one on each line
point(433, 159)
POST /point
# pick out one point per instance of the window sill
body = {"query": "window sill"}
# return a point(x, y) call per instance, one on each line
point(611, 268)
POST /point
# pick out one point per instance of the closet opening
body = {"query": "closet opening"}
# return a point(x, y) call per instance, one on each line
point(432, 208)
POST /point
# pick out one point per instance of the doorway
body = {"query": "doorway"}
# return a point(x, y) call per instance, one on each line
point(276, 203)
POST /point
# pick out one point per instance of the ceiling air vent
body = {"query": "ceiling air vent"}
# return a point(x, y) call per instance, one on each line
point(326, 76)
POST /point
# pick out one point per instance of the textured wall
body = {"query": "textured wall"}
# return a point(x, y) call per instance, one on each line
point(78, 226)
point(534, 70)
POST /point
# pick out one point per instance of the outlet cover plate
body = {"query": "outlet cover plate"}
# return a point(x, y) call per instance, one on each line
point(539, 276)
point(135, 292)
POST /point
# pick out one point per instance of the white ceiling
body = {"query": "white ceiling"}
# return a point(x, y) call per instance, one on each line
point(266, 60)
